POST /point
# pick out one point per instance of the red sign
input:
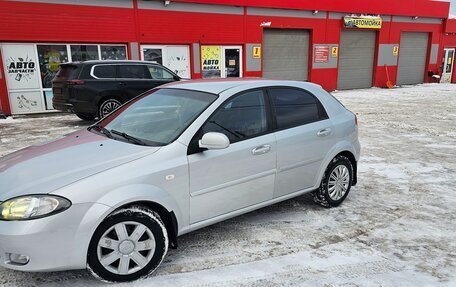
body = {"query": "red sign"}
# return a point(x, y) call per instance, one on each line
point(321, 54)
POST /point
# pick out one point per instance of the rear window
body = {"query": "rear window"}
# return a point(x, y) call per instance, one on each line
point(295, 108)
point(133, 72)
point(105, 71)
point(68, 72)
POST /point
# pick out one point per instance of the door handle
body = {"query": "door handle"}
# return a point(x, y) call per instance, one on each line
point(261, 149)
point(122, 84)
point(324, 132)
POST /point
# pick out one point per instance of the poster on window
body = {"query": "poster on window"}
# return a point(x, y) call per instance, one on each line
point(21, 66)
point(178, 60)
point(26, 102)
point(211, 57)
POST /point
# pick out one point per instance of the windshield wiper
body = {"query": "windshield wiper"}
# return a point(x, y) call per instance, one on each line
point(128, 137)
point(101, 129)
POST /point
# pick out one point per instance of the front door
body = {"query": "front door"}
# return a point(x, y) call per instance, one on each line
point(222, 181)
point(448, 63)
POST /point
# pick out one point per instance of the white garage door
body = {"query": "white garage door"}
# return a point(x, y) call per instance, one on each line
point(356, 59)
point(412, 58)
point(286, 54)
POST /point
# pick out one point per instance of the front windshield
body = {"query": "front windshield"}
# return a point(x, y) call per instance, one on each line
point(159, 117)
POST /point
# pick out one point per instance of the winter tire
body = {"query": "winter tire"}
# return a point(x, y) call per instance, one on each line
point(336, 183)
point(86, 117)
point(128, 245)
point(107, 106)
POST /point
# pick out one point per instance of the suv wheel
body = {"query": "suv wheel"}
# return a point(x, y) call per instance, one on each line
point(128, 245)
point(107, 106)
point(336, 183)
point(86, 117)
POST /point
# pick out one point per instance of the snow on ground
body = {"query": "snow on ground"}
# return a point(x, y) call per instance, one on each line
point(396, 228)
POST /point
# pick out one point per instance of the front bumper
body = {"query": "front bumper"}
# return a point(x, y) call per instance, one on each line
point(57, 242)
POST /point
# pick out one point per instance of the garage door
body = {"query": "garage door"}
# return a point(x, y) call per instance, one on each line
point(412, 58)
point(356, 59)
point(286, 54)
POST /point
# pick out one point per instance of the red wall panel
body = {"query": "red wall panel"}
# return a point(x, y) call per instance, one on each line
point(181, 27)
point(69, 23)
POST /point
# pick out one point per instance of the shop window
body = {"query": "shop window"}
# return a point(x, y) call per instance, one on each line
point(153, 55)
point(50, 57)
point(113, 52)
point(84, 52)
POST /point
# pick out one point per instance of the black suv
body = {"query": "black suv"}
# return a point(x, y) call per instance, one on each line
point(95, 88)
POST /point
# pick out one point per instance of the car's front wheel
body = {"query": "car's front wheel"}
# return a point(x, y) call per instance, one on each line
point(128, 245)
point(336, 183)
point(107, 106)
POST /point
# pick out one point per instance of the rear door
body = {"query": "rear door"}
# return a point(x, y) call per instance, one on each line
point(133, 80)
point(304, 136)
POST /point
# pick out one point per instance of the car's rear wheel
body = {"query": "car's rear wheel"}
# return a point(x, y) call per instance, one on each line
point(86, 117)
point(128, 245)
point(107, 106)
point(336, 183)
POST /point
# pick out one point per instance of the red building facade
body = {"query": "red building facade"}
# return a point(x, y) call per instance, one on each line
point(249, 38)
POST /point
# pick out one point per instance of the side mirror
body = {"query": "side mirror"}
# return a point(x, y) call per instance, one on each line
point(214, 141)
point(177, 78)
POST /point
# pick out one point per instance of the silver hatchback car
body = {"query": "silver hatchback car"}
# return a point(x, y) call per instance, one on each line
point(114, 197)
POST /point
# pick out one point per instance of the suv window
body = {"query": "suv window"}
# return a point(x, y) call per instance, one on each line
point(160, 73)
point(295, 107)
point(242, 117)
point(105, 71)
point(133, 72)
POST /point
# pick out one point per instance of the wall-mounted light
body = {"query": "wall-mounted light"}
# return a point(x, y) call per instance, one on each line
point(415, 17)
point(167, 2)
point(315, 12)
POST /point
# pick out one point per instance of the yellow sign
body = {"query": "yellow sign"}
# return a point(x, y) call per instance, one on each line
point(257, 52)
point(396, 50)
point(334, 52)
point(211, 57)
point(363, 22)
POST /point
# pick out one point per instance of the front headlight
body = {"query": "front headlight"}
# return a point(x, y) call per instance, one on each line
point(32, 207)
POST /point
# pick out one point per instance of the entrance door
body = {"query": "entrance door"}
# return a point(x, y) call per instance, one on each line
point(231, 62)
point(448, 61)
point(221, 61)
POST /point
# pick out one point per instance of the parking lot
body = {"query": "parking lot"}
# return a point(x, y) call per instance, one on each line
point(396, 228)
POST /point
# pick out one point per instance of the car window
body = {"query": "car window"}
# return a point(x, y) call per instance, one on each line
point(105, 71)
point(242, 117)
point(133, 72)
point(294, 107)
point(160, 73)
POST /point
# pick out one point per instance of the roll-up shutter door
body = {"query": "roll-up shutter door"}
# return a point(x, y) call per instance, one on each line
point(356, 59)
point(286, 54)
point(412, 58)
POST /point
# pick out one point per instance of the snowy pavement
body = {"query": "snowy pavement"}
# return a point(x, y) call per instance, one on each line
point(396, 228)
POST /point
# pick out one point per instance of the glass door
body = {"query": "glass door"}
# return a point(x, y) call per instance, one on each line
point(232, 62)
point(448, 63)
